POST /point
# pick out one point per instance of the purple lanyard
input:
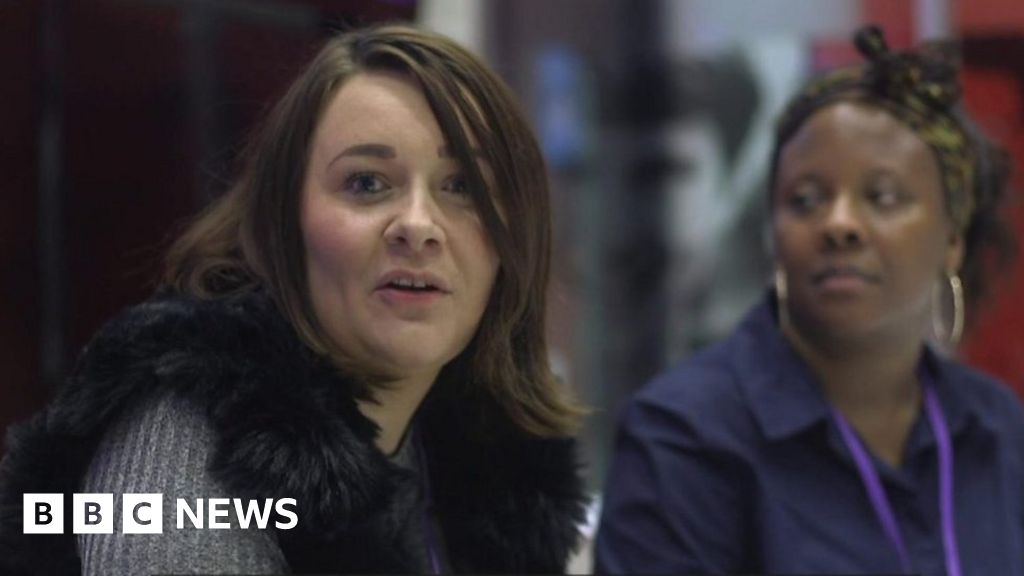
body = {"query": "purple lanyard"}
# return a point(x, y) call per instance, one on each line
point(876, 492)
point(428, 525)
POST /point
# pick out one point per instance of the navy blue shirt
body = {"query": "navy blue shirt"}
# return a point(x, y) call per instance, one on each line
point(731, 463)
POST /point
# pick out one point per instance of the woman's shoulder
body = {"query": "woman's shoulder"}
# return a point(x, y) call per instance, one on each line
point(702, 396)
point(164, 446)
point(186, 343)
point(720, 377)
point(721, 394)
point(272, 403)
point(989, 398)
point(709, 378)
point(179, 320)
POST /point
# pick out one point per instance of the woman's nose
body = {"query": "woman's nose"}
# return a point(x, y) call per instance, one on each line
point(416, 224)
point(844, 226)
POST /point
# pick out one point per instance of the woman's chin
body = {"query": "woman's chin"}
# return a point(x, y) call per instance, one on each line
point(413, 361)
point(837, 326)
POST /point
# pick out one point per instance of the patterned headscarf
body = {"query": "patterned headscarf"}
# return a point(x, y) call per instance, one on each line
point(920, 88)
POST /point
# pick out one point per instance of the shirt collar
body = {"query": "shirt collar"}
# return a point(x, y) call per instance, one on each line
point(783, 393)
point(786, 398)
point(952, 382)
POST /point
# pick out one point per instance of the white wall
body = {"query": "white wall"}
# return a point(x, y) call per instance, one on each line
point(699, 26)
point(461, 20)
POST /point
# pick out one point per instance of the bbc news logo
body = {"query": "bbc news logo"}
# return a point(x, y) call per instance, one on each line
point(144, 513)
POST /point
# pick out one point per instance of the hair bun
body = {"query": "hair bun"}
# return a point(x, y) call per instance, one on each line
point(928, 74)
point(870, 42)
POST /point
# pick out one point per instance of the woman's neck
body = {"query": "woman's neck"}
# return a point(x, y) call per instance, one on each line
point(872, 383)
point(393, 408)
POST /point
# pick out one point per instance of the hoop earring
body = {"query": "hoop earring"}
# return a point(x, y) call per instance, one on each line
point(782, 297)
point(952, 337)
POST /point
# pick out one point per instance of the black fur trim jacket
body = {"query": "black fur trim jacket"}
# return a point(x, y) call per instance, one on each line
point(286, 425)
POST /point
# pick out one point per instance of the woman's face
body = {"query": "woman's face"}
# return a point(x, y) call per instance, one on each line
point(860, 224)
point(399, 265)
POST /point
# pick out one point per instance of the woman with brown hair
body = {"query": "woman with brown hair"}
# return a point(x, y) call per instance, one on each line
point(358, 325)
point(830, 433)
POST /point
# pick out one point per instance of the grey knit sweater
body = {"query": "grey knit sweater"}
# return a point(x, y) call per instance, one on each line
point(163, 447)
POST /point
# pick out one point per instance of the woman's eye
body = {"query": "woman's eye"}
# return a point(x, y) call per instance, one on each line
point(884, 196)
point(805, 198)
point(886, 190)
point(456, 184)
point(365, 183)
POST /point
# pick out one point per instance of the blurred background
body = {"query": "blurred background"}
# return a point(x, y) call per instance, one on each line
point(121, 118)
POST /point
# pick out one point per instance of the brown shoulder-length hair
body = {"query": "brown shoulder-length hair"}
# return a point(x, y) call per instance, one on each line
point(251, 236)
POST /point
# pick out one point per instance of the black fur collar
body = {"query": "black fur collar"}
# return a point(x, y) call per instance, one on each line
point(287, 426)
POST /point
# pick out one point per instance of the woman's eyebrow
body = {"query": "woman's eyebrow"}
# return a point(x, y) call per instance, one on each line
point(382, 151)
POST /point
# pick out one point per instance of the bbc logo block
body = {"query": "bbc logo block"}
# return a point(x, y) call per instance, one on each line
point(142, 514)
point(92, 514)
point(43, 513)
